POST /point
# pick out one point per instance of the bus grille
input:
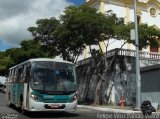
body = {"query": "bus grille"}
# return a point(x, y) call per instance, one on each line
point(56, 101)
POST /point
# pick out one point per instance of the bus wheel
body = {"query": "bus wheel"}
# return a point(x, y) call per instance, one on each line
point(23, 111)
point(9, 102)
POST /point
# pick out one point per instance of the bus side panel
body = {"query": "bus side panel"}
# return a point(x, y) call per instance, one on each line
point(20, 93)
point(14, 94)
point(9, 92)
point(25, 97)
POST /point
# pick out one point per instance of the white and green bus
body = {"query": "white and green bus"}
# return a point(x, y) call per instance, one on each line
point(42, 85)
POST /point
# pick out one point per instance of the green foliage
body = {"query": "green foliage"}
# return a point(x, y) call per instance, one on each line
point(123, 32)
point(29, 49)
point(148, 35)
point(78, 27)
point(4, 65)
point(43, 33)
point(68, 36)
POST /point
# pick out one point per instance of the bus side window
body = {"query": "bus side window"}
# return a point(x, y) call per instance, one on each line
point(9, 79)
point(14, 77)
point(23, 74)
point(19, 75)
point(28, 74)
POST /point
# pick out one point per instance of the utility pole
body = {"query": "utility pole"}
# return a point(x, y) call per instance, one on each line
point(138, 78)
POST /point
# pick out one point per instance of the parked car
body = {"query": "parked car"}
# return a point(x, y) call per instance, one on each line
point(1, 85)
point(3, 88)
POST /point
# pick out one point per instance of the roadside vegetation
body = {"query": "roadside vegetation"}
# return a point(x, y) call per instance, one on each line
point(68, 35)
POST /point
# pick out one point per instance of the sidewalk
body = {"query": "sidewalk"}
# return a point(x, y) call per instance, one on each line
point(113, 109)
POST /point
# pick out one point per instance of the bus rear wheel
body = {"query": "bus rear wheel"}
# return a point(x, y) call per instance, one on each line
point(9, 102)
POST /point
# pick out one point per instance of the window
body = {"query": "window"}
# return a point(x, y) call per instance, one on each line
point(28, 73)
point(20, 74)
point(153, 49)
point(9, 79)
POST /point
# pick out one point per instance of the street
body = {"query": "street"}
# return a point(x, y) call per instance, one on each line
point(7, 112)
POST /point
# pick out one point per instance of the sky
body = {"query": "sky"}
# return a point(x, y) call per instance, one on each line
point(17, 15)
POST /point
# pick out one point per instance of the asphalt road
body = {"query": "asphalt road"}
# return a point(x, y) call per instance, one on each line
point(7, 112)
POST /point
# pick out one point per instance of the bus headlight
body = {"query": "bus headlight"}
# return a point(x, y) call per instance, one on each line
point(74, 97)
point(33, 96)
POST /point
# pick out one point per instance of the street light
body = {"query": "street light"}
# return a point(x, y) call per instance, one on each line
point(138, 78)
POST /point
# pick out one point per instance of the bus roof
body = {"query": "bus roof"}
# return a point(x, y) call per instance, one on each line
point(42, 59)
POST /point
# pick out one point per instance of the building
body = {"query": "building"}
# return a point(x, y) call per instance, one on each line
point(150, 86)
point(148, 11)
point(120, 80)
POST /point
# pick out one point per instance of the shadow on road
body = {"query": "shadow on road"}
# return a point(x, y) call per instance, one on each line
point(50, 114)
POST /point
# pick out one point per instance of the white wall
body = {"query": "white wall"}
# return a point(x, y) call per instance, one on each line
point(146, 18)
point(120, 11)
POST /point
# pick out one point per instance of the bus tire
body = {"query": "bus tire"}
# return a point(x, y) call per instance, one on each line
point(23, 111)
point(9, 102)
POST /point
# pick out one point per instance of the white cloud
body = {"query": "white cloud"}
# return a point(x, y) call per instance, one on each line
point(17, 15)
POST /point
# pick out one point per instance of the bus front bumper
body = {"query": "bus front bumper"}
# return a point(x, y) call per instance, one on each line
point(40, 106)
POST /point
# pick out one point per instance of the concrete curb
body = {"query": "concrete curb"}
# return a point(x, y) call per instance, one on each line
point(108, 109)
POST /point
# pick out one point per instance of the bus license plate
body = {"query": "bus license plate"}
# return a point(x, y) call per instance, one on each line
point(55, 106)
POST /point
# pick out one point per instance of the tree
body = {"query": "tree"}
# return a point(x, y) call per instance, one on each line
point(4, 63)
point(13, 56)
point(43, 33)
point(29, 49)
point(83, 25)
point(148, 35)
point(78, 26)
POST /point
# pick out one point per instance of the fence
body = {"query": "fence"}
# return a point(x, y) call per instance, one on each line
point(146, 58)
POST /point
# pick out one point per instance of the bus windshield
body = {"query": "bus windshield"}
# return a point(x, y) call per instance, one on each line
point(53, 77)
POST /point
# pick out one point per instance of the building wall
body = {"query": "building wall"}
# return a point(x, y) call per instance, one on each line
point(118, 81)
point(146, 18)
point(121, 12)
point(150, 78)
point(126, 11)
point(113, 44)
point(120, 77)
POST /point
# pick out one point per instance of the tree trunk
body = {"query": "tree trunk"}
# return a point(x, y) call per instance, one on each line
point(109, 90)
point(97, 96)
point(87, 82)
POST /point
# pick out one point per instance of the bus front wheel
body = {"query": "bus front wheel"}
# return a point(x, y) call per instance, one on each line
point(23, 111)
